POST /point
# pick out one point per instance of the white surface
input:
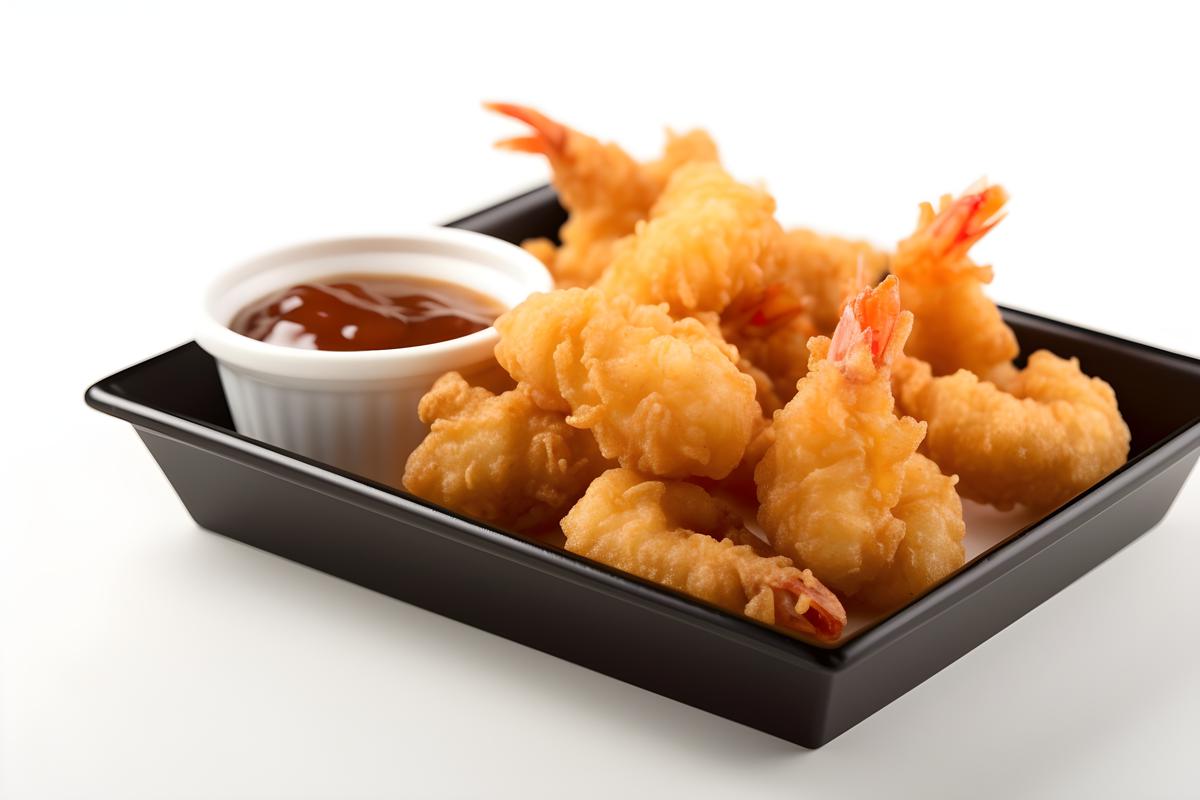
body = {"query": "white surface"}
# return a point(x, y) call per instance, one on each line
point(143, 150)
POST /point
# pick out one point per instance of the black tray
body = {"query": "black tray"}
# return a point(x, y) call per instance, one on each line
point(394, 543)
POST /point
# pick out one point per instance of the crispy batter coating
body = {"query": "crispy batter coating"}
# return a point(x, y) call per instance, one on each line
point(604, 189)
point(827, 270)
point(704, 244)
point(829, 486)
point(779, 351)
point(764, 388)
point(499, 458)
point(932, 546)
point(957, 326)
point(771, 329)
point(1054, 433)
point(675, 534)
point(664, 397)
point(681, 148)
point(739, 484)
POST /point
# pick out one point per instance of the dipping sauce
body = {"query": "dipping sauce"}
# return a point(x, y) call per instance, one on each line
point(366, 312)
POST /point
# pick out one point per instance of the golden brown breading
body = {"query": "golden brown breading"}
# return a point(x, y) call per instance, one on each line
point(1054, 433)
point(827, 270)
point(932, 546)
point(694, 146)
point(764, 390)
point(704, 244)
point(831, 485)
point(499, 458)
point(956, 325)
point(675, 534)
point(780, 351)
point(604, 190)
point(662, 396)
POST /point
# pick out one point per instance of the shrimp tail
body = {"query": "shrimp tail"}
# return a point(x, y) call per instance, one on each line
point(870, 321)
point(960, 223)
point(548, 137)
point(805, 605)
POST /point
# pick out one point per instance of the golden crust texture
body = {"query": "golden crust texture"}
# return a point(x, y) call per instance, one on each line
point(675, 534)
point(957, 326)
point(704, 244)
point(779, 352)
point(1054, 433)
point(664, 397)
point(932, 546)
point(604, 190)
point(827, 270)
point(828, 485)
point(499, 458)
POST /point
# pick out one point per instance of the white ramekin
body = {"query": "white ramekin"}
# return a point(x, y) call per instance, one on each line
point(355, 410)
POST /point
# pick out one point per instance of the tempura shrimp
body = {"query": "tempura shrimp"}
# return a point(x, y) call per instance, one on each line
point(831, 485)
point(677, 535)
point(694, 146)
point(664, 397)
point(1048, 434)
point(499, 458)
point(704, 244)
point(771, 329)
point(604, 189)
point(956, 325)
point(827, 270)
point(932, 546)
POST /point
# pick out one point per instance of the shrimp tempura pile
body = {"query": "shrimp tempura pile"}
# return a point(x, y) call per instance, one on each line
point(831, 485)
point(725, 363)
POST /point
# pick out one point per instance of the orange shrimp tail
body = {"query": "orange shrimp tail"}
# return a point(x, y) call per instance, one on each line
point(869, 321)
point(807, 606)
point(548, 138)
point(963, 222)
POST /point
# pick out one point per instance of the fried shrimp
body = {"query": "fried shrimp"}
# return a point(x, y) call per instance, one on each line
point(604, 189)
point(1050, 433)
point(704, 244)
point(807, 281)
point(681, 148)
point(832, 485)
point(932, 546)
point(499, 458)
point(827, 270)
point(677, 535)
point(956, 326)
point(771, 330)
point(664, 397)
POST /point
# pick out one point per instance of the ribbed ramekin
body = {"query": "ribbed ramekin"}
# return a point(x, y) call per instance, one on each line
point(356, 410)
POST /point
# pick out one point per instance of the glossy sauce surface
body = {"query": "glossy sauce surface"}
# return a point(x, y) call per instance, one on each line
point(366, 312)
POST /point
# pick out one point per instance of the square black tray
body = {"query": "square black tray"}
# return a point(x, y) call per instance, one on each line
point(387, 540)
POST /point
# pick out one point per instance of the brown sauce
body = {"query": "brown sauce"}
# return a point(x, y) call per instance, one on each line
point(366, 312)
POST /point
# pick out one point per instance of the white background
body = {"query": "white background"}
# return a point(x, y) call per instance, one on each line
point(144, 149)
